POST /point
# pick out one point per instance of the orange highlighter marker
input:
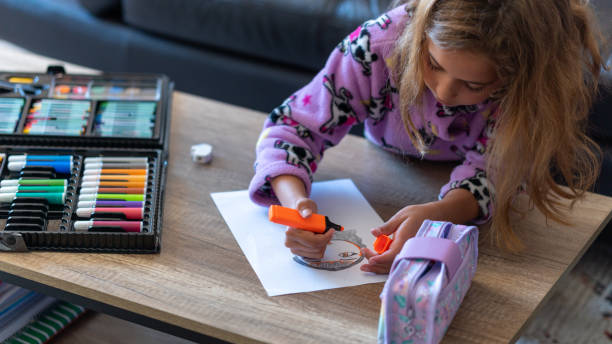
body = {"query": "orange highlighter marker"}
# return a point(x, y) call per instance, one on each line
point(315, 223)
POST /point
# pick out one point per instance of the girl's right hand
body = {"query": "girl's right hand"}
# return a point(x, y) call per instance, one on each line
point(305, 243)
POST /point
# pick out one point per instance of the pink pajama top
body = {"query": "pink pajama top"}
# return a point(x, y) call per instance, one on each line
point(355, 87)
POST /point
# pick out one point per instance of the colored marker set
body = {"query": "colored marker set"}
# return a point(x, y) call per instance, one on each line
point(82, 200)
point(112, 195)
point(34, 191)
point(82, 161)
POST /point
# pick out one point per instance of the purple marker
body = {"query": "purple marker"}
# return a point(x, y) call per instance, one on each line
point(100, 203)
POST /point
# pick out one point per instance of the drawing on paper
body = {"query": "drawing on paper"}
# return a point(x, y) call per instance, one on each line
point(343, 251)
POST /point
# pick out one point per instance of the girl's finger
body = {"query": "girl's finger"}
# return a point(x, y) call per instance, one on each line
point(367, 253)
point(292, 244)
point(390, 226)
point(310, 239)
point(308, 254)
point(385, 259)
point(405, 231)
point(375, 268)
point(306, 207)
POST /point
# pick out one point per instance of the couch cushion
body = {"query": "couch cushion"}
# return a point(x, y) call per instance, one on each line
point(296, 32)
point(101, 7)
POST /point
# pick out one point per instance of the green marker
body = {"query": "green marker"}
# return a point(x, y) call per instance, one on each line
point(52, 197)
point(15, 182)
point(124, 197)
point(38, 188)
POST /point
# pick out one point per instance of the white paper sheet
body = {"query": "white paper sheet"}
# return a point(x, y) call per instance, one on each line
point(263, 241)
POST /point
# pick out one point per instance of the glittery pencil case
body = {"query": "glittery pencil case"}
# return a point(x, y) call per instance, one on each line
point(427, 283)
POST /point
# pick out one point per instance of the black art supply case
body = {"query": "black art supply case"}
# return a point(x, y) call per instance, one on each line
point(80, 118)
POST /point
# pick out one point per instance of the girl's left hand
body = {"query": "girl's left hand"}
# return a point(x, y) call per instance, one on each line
point(405, 223)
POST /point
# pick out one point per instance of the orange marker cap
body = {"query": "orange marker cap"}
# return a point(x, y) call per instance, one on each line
point(382, 243)
point(316, 223)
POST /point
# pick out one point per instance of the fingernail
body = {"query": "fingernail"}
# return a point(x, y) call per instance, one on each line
point(305, 213)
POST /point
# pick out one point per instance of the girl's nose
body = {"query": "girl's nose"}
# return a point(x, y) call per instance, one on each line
point(446, 90)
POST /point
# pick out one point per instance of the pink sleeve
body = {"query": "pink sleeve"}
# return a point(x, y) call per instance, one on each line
point(471, 176)
point(319, 115)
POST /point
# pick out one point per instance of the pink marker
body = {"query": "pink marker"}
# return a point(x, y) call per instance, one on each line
point(127, 226)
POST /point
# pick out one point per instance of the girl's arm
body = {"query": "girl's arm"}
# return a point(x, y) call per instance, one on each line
point(457, 206)
point(291, 192)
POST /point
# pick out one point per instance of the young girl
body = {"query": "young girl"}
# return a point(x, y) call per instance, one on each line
point(502, 86)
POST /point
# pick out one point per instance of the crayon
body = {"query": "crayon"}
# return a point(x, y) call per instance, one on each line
point(128, 226)
point(130, 213)
point(315, 223)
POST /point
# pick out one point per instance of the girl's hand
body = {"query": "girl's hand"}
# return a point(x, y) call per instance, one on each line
point(305, 243)
point(405, 224)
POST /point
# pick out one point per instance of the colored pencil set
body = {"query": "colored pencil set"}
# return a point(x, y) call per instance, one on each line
point(83, 161)
point(57, 117)
point(131, 119)
point(10, 111)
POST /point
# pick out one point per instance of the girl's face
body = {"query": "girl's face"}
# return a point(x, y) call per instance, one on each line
point(458, 77)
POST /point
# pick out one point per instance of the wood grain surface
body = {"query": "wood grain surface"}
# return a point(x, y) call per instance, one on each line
point(202, 281)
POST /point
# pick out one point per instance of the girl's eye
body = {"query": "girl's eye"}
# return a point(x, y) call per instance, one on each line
point(432, 66)
point(474, 89)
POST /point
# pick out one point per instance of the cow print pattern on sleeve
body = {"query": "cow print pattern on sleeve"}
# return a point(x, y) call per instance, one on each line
point(379, 107)
point(281, 115)
point(358, 43)
point(266, 189)
point(478, 185)
point(298, 156)
point(341, 111)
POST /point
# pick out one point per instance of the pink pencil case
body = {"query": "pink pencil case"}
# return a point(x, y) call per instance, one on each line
point(427, 283)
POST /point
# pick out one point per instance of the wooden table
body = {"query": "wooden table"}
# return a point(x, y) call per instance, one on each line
point(202, 286)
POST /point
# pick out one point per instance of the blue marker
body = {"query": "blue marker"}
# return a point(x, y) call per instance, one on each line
point(61, 166)
point(29, 157)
